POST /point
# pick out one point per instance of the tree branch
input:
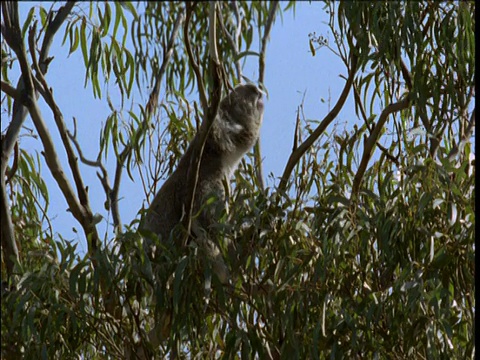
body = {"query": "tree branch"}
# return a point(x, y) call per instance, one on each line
point(80, 207)
point(365, 120)
point(62, 128)
point(19, 111)
point(300, 151)
point(9, 246)
point(11, 91)
point(11, 32)
point(373, 138)
point(80, 213)
point(210, 114)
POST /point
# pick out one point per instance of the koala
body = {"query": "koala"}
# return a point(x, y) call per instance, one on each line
point(234, 131)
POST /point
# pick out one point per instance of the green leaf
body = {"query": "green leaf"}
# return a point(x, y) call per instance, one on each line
point(83, 44)
point(452, 214)
point(76, 40)
point(118, 16)
point(27, 22)
point(106, 20)
point(73, 279)
point(178, 280)
point(43, 16)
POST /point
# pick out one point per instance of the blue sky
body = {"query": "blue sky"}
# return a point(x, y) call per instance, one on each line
point(292, 75)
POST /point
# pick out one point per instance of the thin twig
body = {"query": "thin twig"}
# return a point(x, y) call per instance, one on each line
point(261, 75)
point(113, 195)
point(265, 37)
point(167, 54)
point(233, 44)
point(102, 175)
point(191, 58)
point(83, 159)
point(236, 11)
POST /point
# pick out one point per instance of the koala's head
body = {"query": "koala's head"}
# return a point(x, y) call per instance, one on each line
point(238, 122)
point(243, 106)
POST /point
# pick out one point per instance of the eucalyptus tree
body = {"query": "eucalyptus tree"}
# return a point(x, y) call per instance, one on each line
point(362, 247)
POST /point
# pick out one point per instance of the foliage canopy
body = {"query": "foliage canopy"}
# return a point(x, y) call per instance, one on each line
point(363, 248)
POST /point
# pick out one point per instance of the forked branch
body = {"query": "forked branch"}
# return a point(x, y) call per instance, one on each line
point(372, 140)
point(297, 154)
